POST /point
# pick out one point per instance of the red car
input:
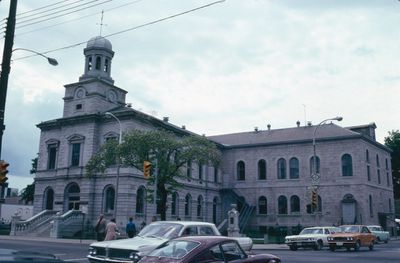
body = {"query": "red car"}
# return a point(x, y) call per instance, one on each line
point(202, 249)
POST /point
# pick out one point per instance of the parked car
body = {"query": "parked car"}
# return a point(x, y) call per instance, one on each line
point(314, 237)
point(352, 236)
point(152, 236)
point(205, 249)
point(380, 234)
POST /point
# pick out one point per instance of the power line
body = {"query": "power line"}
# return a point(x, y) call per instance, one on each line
point(130, 29)
point(33, 10)
point(48, 10)
point(68, 13)
point(78, 18)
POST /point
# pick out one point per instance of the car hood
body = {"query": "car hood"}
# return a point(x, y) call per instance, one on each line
point(305, 236)
point(344, 234)
point(137, 243)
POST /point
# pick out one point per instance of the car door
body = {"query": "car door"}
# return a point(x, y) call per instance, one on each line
point(365, 236)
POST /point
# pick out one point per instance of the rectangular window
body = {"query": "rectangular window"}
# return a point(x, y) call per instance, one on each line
point(368, 173)
point(200, 172)
point(52, 156)
point(76, 153)
point(215, 175)
point(387, 179)
point(379, 176)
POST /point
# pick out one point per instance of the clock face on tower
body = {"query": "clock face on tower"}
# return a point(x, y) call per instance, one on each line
point(80, 93)
point(112, 96)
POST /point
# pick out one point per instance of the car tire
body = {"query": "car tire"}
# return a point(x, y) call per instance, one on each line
point(386, 241)
point(332, 248)
point(319, 245)
point(293, 247)
point(371, 246)
point(357, 245)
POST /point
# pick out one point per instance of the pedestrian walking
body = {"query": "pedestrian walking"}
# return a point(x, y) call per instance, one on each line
point(130, 228)
point(100, 228)
point(111, 230)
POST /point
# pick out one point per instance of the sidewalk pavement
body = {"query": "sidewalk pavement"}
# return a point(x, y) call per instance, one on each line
point(89, 241)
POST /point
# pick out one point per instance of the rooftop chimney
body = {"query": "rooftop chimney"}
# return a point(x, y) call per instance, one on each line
point(309, 123)
point(184, 127)
point(166, 119)
point(298, 123)
point(269, 126)
point(256, 129)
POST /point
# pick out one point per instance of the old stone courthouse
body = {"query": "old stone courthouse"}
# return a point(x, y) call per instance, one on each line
point(265, 172)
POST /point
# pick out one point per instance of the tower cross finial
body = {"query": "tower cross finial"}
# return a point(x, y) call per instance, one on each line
point(101, 22)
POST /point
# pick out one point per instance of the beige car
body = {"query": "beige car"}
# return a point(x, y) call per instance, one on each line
point(352, 236)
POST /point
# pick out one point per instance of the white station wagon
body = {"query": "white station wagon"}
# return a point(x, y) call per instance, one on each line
point(314, 237)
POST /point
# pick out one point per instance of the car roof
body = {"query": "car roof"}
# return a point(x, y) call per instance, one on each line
point(185, 223)
point(205, 239)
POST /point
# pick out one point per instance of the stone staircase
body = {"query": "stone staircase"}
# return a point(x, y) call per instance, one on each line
point(49, 223)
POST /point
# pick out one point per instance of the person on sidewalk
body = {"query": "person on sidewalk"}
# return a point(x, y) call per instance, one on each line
point(100, 228)
point(130, 228)
point(111, 230)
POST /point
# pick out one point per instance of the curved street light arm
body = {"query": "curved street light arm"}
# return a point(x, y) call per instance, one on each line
point(120, 126)
point(52, 61)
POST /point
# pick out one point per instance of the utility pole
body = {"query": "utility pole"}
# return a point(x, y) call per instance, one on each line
point(5, 65)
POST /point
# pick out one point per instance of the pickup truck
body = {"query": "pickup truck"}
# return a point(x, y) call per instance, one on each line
point(152, 236)
point(381, 235)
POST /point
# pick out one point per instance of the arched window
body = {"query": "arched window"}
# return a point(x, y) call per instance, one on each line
point(200, 206)
point(282, 205)
point(106, 65)
point(215, 174)
point(294, 168)
point(175, 204)
point(140, 200)
point(189, 169)
point(262, 170)
point(98, 62)
point(262, 205)
point(89, 65)
point(240, 170)
point(294, 204)
point(188, 205)
point(200, 171)
point(317, 164)
point(48, 198)
point(109, 199)
point(72, 197)
point(347, 165)
point(281, 168)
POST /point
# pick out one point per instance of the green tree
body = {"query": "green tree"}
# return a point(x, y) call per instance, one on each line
point(168, 154)
point(393, 142)
point(28, 193)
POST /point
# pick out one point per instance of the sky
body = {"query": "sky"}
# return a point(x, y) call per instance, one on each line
point(227, 67)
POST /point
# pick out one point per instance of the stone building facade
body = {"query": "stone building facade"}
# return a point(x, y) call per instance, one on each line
point(266, 172)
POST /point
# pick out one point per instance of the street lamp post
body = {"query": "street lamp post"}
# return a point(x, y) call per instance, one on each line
point(315, 176)
point(52, 61)
point(118, 164)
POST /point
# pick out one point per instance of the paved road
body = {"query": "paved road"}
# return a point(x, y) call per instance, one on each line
point(382, 253)
point(76, 251)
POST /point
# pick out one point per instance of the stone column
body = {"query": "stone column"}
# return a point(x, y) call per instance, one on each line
point(14, 220)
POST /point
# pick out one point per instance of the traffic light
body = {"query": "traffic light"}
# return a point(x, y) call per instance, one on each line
point(314, 199)
point(146, 169)
point(3, 171)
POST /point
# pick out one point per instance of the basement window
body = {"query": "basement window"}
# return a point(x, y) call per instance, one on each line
point(78, 106)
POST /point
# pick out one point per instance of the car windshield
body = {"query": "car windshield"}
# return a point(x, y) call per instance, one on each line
point(374, 228)
point(161, 230)
point(307, 231)
point(350, 229)
point(174, 249)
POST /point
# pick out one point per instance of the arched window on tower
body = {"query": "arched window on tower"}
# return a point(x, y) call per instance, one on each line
point(90, 64)
point(98, 62)
point(106, 66)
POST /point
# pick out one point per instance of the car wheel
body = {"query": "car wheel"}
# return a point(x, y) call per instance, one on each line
point(371, 246)
point(357, 245)
point(386, 241)
point(378, 240)
point(318, 245)
point(293, 247)
point(332, 247)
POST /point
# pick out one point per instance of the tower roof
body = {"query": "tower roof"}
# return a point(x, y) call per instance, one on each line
point(99, 42)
